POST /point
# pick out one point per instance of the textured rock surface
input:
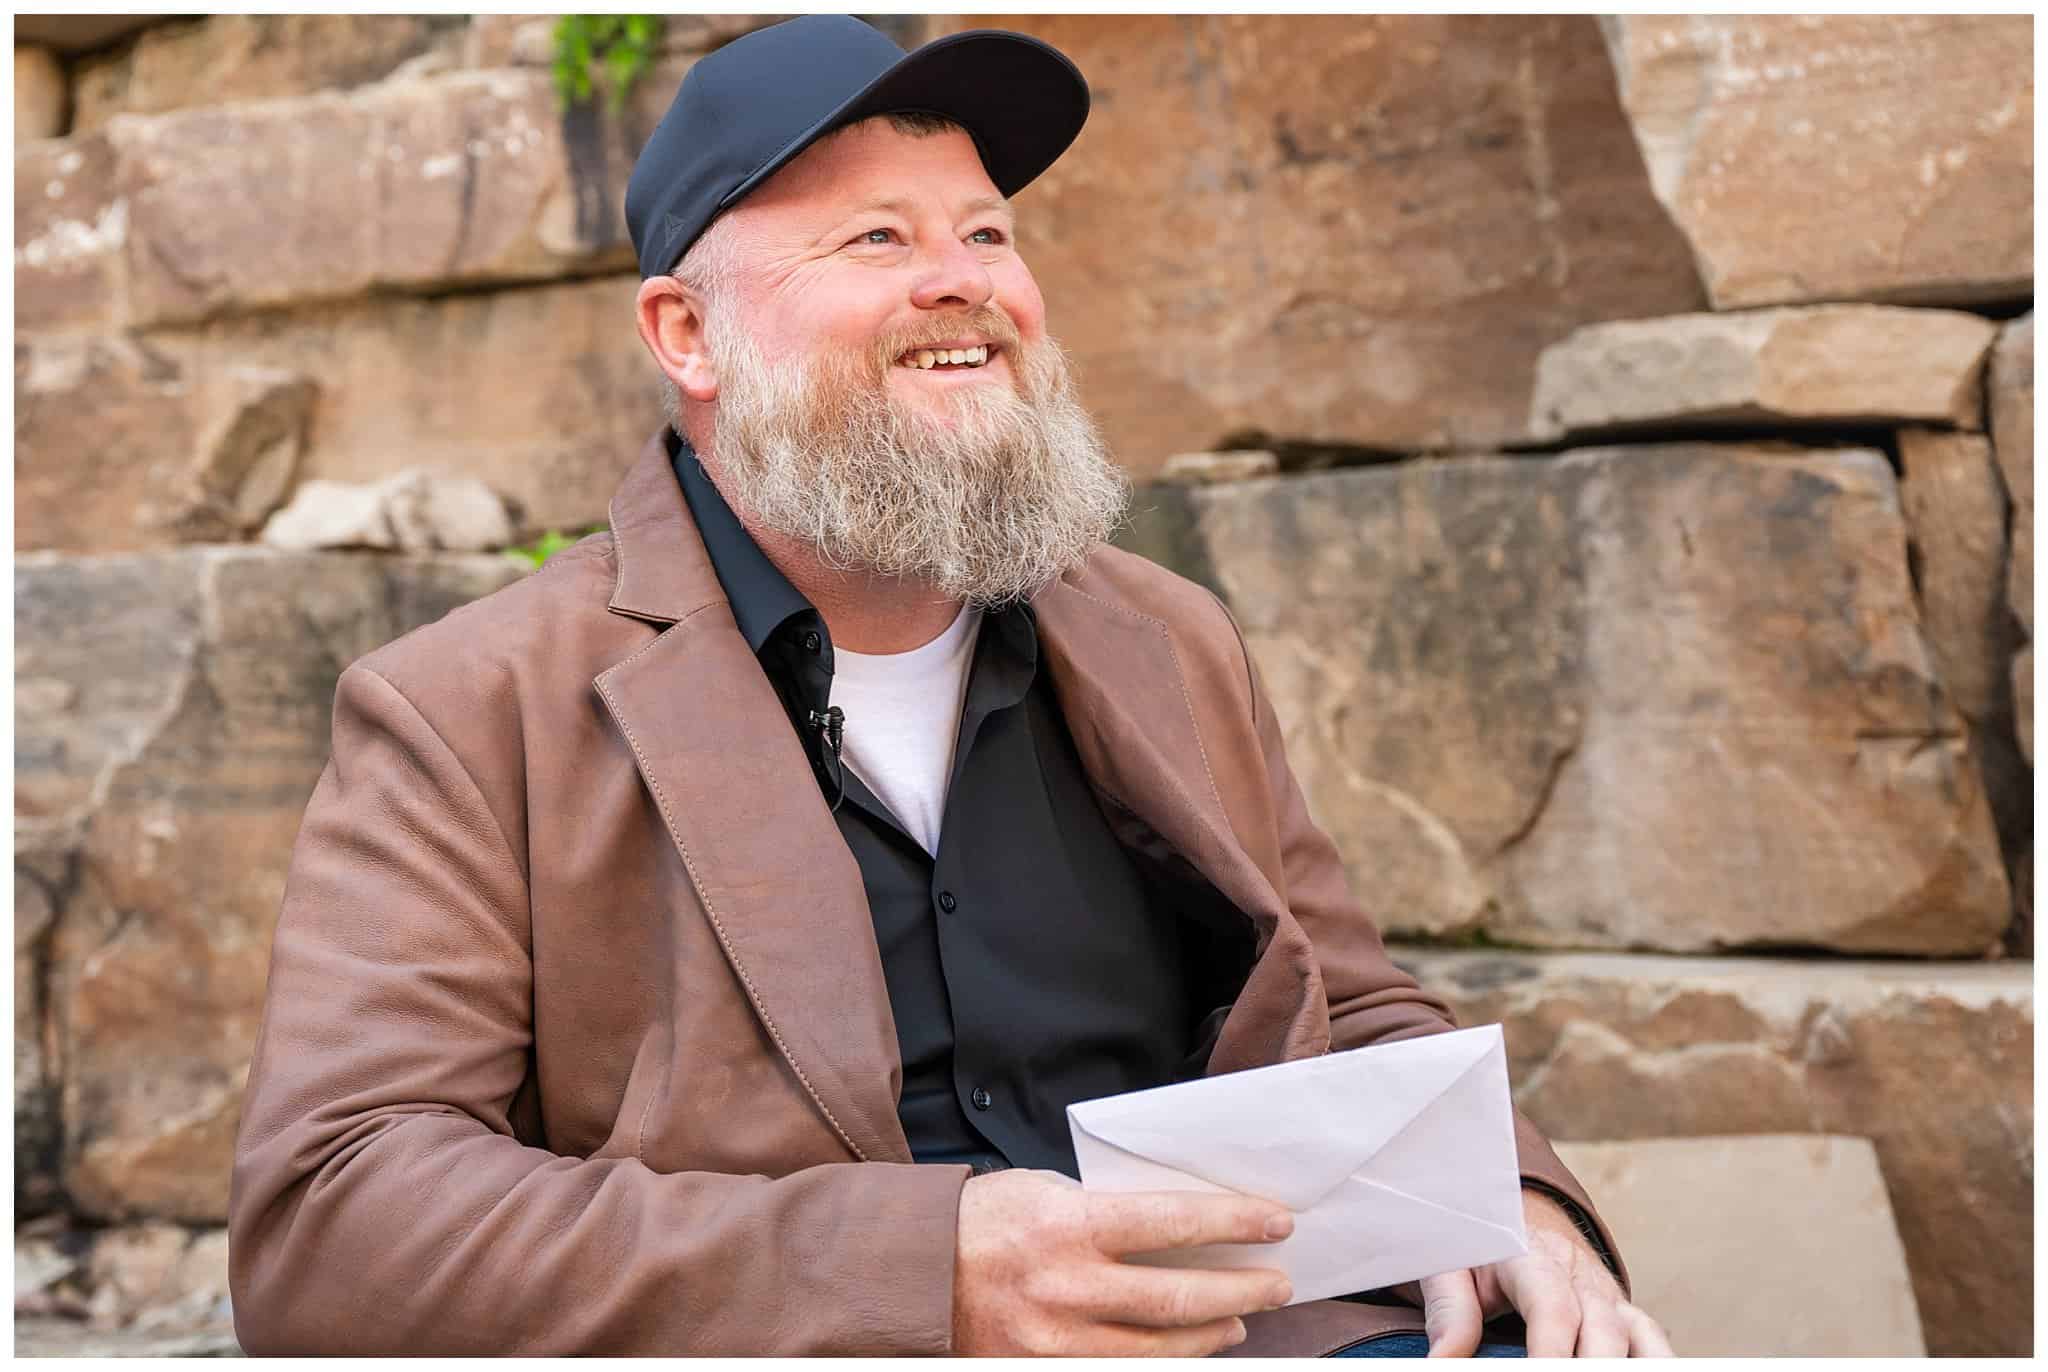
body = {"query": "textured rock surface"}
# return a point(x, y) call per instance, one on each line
point(1955, 515)
point(41, 96)
point(177, 718)
point(1810, 157)
point(1830, 364)
point(1213, 469)
point(70, 234)
point(1324, 255)
point(1828, 1278)
point(527, 40)
point(416, 511)
point(1683, 700)
point(234, 58)
point(543, 394)
point(1933, 1064)
point(2012, 438)
point(468, 178)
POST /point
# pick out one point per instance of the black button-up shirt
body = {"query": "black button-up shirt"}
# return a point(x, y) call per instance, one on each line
point(1033, 961)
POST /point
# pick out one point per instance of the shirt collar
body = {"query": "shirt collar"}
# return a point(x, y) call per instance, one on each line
point(761, 596)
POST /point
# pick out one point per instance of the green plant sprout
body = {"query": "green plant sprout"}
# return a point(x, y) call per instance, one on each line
point(624, 45)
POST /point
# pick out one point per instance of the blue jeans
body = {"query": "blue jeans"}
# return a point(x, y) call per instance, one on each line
point(1417, 1345)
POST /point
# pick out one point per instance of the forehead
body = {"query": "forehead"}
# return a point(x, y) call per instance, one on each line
point(871, 162)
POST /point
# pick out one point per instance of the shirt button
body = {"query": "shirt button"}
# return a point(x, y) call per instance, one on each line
point(812, 643)
point(949, 905)
point(981, 1098)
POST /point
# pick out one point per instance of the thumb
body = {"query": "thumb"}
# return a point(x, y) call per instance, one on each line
point(1450, 1313)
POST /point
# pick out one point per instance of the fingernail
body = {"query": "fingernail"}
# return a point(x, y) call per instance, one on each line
point(1280, 1226)
point(1281, 1293)
point(1236, 1335)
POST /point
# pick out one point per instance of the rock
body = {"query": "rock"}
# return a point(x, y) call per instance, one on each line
point(2023, 699)
point(2011, 389)
point(1213, 469)
point(41, 95)
point(1955, 516)
point(41, 1263)
point(1371, 251)
point(1827, 364)
point(72, 34)
point(1832, 1280)
point(1934, 1064)
point(112, 434)
point(63, 1338)
point(158, 1276)
point(1670, 696)
point(122, 446)
point(70, 235)
point(1809, 157)
point(204, 682)
point(469, 178)
point(233, 58)
point(44, 869)
point(415, 511)
point(528, 40)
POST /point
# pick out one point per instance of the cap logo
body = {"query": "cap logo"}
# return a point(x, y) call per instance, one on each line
point(671, 229)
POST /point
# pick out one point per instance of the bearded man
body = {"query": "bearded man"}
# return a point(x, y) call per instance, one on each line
point(694, 947)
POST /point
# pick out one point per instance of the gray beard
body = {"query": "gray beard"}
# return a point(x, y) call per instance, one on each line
point(989, 509)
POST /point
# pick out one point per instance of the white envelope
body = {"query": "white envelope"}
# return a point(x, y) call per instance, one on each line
point(1397, 1160)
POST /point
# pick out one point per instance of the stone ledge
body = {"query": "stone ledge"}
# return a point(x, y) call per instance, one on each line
point(1933, 1062)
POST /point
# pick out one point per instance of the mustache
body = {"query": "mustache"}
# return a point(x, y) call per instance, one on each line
point(984, 321)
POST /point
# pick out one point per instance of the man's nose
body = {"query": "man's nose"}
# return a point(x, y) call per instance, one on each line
point(952, 277)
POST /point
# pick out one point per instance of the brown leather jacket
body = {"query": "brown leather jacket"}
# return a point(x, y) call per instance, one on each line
point(576, 1038)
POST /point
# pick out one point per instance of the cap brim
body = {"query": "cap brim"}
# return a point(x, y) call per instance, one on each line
point(1020, 99)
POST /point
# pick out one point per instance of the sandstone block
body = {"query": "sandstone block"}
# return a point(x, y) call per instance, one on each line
point(1672, 696)
point(1211, 469)
point(1933, 1064)
point(41, 94)
point(1809, 157)
point(70, 234)
point(233, 58)
point(2023, 699)
point(2012, 438)
point(415, 511)
point(1829, 364)
point(1955, 516)
point(544, 395)
point(1330, 257)
point(527, 40)
point(200, 685)
point(467, 178)
point(1744, 1246)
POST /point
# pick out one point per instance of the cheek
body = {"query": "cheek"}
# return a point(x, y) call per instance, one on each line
point(1017, 293)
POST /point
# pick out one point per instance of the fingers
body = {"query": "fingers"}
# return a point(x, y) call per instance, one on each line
point(1199, 1341)
point(1645, 1336)
point(1603, 1331)
point(1165, 1297)
point(1152, 1221)
point(1549, 1307)
point(1450, 1313)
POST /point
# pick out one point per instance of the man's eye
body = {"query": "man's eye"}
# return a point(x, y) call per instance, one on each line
point(986, 236)
point(877, 236)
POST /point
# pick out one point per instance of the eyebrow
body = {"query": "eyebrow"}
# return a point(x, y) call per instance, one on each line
point(893, 205)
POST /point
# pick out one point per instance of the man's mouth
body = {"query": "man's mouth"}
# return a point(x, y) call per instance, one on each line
point(946, 359)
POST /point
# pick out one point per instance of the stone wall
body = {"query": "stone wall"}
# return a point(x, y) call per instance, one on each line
point(1635, 538)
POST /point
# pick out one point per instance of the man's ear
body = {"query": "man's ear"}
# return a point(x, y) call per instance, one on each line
point(671, 319)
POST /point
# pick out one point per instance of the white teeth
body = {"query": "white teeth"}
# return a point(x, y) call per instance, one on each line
point(923, 359)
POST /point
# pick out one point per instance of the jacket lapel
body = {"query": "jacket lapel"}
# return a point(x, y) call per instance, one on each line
point(716, 752)
point(1125, 700)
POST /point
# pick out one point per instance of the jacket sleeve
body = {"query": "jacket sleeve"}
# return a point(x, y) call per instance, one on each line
point(382, 1202)
point(1371, 1000)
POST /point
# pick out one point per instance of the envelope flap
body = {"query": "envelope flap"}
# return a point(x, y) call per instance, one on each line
point(1294, 1132)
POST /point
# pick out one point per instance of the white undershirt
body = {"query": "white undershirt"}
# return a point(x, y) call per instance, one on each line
point(903, 719)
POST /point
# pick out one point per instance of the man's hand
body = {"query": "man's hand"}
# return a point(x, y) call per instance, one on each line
point(1038, 1269)
point(1565, 1295)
